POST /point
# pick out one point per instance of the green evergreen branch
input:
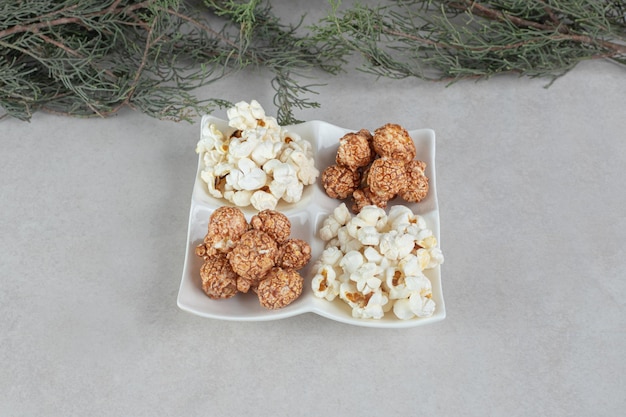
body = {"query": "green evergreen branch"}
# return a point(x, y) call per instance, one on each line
point(452, 40)
point(93, 58)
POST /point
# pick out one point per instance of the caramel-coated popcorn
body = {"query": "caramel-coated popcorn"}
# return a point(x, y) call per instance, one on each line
point(386, 178)
point(393, 141)
point(294, 254)
point(226, 226)
point(416, 184)
point(340, 182)
point(253, 255)
point(355, 150)
point(365, 197)
point(259, 256)
point(373, 169)
point(218, 278)
point(274, 223)
point(280, 288)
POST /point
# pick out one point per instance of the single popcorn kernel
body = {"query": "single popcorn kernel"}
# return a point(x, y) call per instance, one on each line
point(253, 255)
point(393, 141)
point(386, 177)
point(416, 186)
point(226, 225)
point(340, 182)
point(279, 288)
point(274, 223)
point(294, 254)
point(355, 150)
point(218, 278)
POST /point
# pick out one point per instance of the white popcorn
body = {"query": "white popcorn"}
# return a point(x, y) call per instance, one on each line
point(252, 177)
point(330, 256)
point(264, 152)
point(258, 154)
point(396, 245)
point(293, 192)
point(366, 278)
point(209, 138)
point(372, 255)
point(373, 216)
point(307, 173)
point(330, 228)
point(239, 198)
point(368, 236)
point(436, 258)
point(325, 283)
point(246, 116)
point(379, 260)
point(362, 306)
point(354, 225)
point(241, 148)
point(419, 283)
point(414, 305)
point(352, 244)
point(351, 261)
point(262, 200)
point(210, 180)
point(285, 184)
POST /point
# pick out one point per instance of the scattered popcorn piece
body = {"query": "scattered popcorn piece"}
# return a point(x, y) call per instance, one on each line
point(375, 262)
point(236, 160)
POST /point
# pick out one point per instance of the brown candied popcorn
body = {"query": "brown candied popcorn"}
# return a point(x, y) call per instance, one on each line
point(253, 255)
point(226, 225)
point(218, 278)
point(386, 177)
point(364, 197)
point(339, 181)
point(416, 187)
point(201, 251)
point(294, 254)
point(355, 150)
point(279, 288)
point(274, 223)
point(393, 141)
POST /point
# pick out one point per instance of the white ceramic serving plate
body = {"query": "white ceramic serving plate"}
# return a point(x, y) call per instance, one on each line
point(306, 216)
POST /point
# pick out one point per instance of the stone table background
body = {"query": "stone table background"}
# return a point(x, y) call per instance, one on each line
point(93, 226)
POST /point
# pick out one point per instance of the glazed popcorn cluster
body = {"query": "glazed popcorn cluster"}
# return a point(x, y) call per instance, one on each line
point(373, 169)
point(256, 162)
point(375, 261)
point(259, 256)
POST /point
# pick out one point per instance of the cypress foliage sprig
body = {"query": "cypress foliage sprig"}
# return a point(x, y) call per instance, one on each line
point(453, 40)
point(95, 57)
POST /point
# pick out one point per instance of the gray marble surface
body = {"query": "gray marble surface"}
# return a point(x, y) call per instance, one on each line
point(531, 189)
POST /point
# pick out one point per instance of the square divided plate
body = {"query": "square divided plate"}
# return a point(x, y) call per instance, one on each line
point(306, 217)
